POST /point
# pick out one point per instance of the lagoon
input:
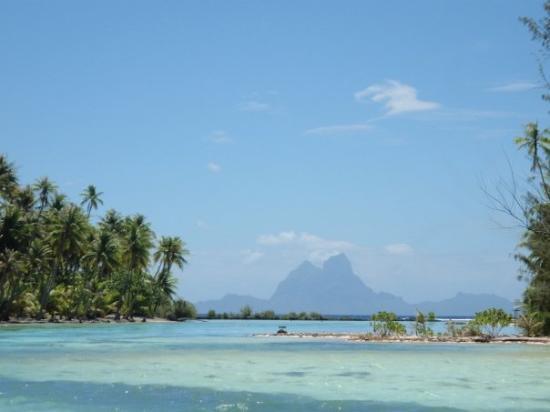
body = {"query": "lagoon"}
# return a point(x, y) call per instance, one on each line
point(220, 365)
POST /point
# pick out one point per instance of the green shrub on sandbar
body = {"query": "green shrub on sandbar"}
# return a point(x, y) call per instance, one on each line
point(386, 324)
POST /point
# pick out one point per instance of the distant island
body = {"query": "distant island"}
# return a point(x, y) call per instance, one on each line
point(334, 289)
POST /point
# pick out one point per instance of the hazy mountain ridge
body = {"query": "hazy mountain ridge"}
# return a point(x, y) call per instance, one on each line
point(335, 289)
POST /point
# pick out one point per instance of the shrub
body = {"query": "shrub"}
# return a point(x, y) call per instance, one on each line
point(491, 321)
point(182, 309)
point(452, 330)
point(315, 316)
point(531, 323)
point(267, 314)
point(211, 314)
point(386, 324)
point(291, 316)
point(420, 327)
point(472, 328)
point(246, 312)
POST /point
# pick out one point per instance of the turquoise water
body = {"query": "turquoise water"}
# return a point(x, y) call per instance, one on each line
point(220, 366)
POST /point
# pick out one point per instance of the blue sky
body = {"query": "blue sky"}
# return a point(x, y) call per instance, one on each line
point(269, 133)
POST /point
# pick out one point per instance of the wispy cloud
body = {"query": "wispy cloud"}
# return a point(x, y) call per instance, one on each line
point(254, 106)
point(219, 136)
point(250, 256)
point(315, 247)
point(398, 249)
point(214, 167)
point(397, 97)
point(340, 129)
point(514, 87)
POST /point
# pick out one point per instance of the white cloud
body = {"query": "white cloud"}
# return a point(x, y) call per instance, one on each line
point(254, 106)
point(397, 97)
point(316, 248)
point(281, 238)
point(250, 256)
point(340, 129)
point(200, 224)
point(398, 249)
point(214, 167)
point(520, 86)
point(219, 136)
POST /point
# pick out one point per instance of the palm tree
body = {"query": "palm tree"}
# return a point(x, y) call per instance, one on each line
point(45, 189)
point(59, 201)
point(112, 222)
point(536, 141)
point(12, 269)
point(40, 257)
point(91, 198)
point(137, 242)
point(24, 198)
point(103, 255)
point(14, 232)
point(170, 251)
point(8, 177)
point(53, 260)
point(67, 235)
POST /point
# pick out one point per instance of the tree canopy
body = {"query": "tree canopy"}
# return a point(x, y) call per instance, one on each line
point(54, 261)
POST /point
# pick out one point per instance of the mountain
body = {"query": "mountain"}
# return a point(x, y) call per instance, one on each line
point(232, 303)
point(334, 289)
point(467, 304)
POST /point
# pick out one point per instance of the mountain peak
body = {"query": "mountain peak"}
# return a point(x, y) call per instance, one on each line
point(306, 265)
point(337, 264)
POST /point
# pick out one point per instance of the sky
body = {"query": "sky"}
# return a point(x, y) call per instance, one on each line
point(268, 133)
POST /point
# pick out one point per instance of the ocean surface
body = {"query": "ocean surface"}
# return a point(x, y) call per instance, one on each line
point(221, 366)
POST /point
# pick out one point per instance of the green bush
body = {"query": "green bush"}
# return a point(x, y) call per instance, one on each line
point(315, 316)
point(211, 314)
point(246, 312)
point(182, 309)
point(386, 324)
point(472, 328)
point(491, 321)
point(267, 314)
point(531, 323)
point(421, 329)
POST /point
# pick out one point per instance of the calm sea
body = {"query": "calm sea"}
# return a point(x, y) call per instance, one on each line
point(220, 366)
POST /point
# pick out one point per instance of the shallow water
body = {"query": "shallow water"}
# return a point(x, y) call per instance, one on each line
point(219, 365)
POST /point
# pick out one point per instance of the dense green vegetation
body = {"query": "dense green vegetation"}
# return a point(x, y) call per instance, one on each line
point(491, 321)
point(534, 206)
point(247, 312)
point(56, 262)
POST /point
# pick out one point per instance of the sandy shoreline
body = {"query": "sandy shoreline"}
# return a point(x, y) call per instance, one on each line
point(357, 337)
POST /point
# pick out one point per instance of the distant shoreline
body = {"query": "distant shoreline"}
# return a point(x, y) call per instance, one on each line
point(31, 322)
point(361, 337)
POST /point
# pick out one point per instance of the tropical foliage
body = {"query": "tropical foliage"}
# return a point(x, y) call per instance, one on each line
point(532, 209)
point(420, 324)
point(56, 262)
point(386, 324)
point(491, 321)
